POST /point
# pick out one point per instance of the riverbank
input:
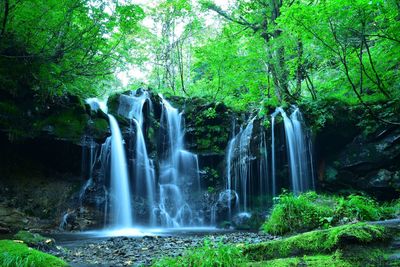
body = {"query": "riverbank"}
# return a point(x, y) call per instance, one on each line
point(137, 251)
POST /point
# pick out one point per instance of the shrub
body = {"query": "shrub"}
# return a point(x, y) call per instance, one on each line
point(298, 213)
point(358, 208)
point(310, 211)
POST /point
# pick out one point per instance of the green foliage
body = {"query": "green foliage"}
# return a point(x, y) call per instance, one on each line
point(209, 255)
point(298, 213)
point(16, 254)
point(318, 241)
point(309, 211)
point(53, 47)
point(210, 113)
point(358, 207)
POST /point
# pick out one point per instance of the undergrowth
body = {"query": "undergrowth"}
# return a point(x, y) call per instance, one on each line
point(309, 211)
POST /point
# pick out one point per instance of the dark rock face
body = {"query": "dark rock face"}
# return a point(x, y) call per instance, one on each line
point(41, 157)
point(369, 163)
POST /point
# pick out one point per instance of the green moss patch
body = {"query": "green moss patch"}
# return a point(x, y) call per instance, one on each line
point(319, 241)
point(17, 254)
point(34, 240)
point(66, 125)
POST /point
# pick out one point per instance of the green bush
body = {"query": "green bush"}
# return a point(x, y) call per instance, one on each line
point(17, 254)
point(359, 208)
point(309, 211)
point(298, 213)
point(209, 255)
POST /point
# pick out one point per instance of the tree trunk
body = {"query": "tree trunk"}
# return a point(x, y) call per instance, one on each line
point(6, 12)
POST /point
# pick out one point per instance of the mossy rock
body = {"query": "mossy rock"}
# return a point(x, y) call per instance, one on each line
point(98, 128)
point(16, 254)
point(318, 241)
point(66, 125)
point(35, 240)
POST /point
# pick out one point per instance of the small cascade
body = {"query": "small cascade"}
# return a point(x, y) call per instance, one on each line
point(238, 160)
point(251, 164)
point(299, 156)
point(89, 159)
point(179, 172)
point(263, 177)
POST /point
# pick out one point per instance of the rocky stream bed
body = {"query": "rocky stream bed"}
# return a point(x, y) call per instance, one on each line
point(142, 251)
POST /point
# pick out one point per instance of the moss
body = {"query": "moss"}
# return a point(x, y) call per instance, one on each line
point(333, 260)
point(65, 124)
point(16, 254)
point(29, 238)
point(318, 241)
point(98, 127)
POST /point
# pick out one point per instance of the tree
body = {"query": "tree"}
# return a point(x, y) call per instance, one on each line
point(64, 46)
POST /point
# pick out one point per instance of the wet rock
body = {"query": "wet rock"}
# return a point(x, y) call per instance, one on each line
point(242, 221)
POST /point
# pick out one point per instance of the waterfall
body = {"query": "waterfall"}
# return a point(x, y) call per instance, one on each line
point(229, 158)
point(121, 199)
point(113, 152)
point(179, 171)
point(263, 177)
point(299, 156)
point(132, 107)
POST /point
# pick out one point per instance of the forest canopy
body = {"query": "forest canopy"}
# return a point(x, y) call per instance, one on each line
point(239, 52)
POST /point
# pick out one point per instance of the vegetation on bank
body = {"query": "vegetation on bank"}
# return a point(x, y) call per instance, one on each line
point(18, 254)
point(309, 211)
point(346, 245)
point(318, 241)
point(344, 239)
point(208, 255)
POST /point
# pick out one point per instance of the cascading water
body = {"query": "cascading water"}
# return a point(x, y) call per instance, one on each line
point(179, 171)
point(121, 197)
point(260, 183)
point(239, 162)
point(300, 160)
point(121, 209)
point(132, 107)
point(89, 158)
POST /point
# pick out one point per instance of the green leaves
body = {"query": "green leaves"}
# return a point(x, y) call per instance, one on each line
point(68, 46)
